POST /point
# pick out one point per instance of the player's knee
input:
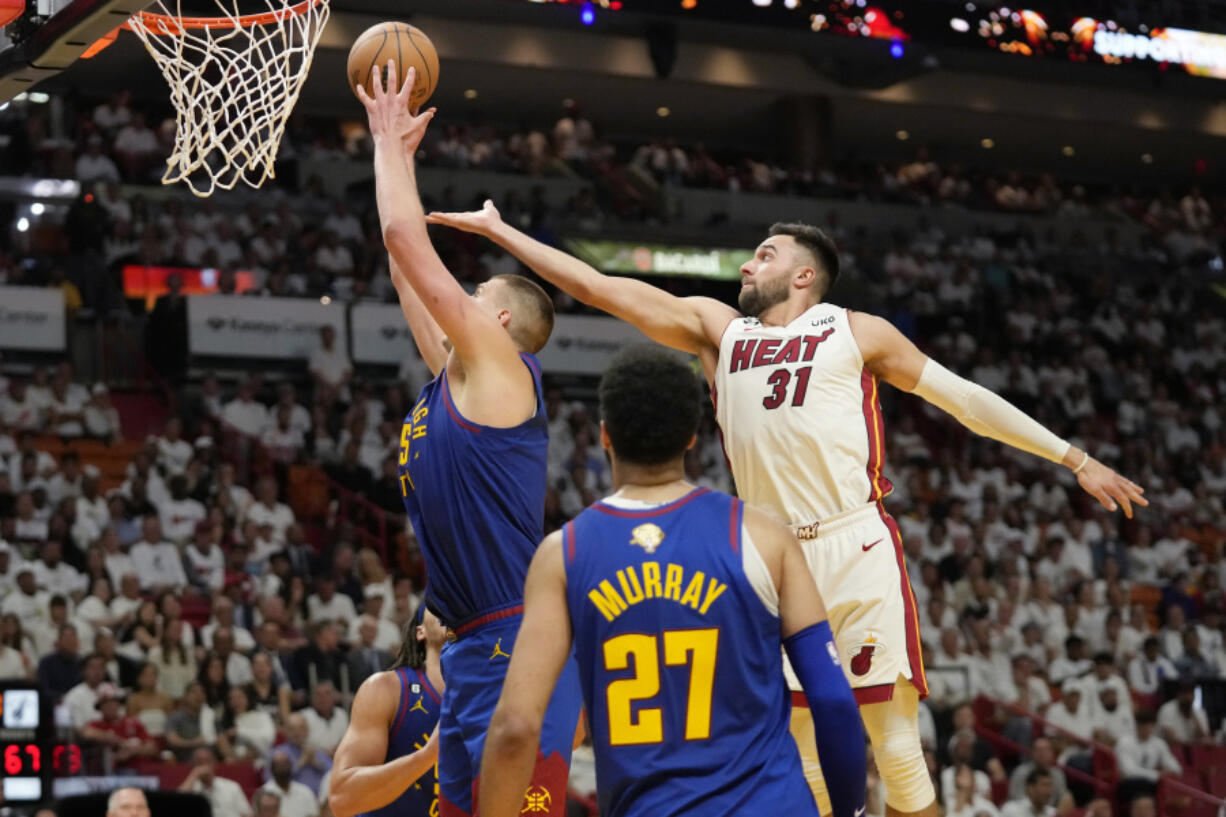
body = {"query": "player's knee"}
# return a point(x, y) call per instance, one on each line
point(903, 769)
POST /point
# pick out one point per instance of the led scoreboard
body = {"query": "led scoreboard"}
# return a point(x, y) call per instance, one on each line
point(27, 743)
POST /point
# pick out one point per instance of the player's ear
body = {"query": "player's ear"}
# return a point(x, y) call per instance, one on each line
point(693, 441)
point(606, 442)
point(504, 318)
point(419, 632)
point(805, 278)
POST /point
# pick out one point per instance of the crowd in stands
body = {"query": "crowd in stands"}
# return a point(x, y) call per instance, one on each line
point(1028, 593)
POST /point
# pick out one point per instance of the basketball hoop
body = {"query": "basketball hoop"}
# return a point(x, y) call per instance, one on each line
point(233, 79)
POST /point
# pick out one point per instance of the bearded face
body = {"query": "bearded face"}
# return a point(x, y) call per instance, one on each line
point(762, 295)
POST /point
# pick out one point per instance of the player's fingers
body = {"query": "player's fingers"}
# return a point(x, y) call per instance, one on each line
point(365, 99)
point(376, 83)
point(392, 77)
point(1104, 499)
point(410, 79)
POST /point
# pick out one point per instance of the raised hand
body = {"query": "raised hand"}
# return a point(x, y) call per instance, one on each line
point(1110, 488)
point(481, 222)
point(388, 110)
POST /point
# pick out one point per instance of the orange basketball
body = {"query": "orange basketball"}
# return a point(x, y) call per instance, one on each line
point(404, 43)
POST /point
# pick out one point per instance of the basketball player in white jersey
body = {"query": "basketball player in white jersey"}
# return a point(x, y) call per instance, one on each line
point(795, 384)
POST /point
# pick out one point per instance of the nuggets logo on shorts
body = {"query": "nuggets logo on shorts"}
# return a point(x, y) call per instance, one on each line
point(862, 654)
point(537, 800)
point(648, 537)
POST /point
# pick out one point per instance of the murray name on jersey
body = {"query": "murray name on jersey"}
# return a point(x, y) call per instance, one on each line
point(653, 580)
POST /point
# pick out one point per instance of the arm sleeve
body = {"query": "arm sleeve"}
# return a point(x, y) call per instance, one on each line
point(987, 413)
point(840, 733)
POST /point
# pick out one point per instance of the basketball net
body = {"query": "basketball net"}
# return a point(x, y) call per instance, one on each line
point(233, 81)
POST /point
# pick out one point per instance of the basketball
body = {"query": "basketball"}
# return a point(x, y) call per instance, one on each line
point(404, 43)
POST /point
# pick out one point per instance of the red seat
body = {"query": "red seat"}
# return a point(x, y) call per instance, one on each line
point(243, 773)
point(1216, 778)
point(1000, 791)
point(1206, 756)
point(196, 610)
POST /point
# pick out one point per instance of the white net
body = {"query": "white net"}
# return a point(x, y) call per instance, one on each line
point(233, 80)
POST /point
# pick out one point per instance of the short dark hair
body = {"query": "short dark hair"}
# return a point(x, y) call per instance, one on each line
point(1036, 775)
point(818, 244)
point(651, 405)
point(532, 320)
point(1146, 716)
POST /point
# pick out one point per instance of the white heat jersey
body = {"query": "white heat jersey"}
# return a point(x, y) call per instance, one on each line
point(800, 417)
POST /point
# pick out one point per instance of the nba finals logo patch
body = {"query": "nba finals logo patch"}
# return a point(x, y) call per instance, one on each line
point(647, 536)
point(862, 654)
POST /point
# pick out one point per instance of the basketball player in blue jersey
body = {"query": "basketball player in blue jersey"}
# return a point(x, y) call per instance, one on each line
point(676, 599)
point(472, 467)
point(384, 766)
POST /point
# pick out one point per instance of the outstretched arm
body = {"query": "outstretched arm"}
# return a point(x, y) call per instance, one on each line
point(891, 356)
point(689, 324)
point(477, 336)
point(541, 650)
point(426, 332)
point(814, 657)
point(361, 780)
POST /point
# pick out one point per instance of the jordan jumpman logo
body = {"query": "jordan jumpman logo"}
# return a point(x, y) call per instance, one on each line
point(498, 651)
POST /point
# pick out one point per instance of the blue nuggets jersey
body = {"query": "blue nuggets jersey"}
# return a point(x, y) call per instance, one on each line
point(476, 498)
point(415, 719)
point(680, 664)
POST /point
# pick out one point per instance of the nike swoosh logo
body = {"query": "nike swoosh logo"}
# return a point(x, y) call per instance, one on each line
point(867, 548)
point(860, 811)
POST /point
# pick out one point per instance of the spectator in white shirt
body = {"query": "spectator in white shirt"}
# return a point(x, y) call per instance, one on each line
point(67, 482)
point(282, 439)
point(204, 560)
point(238, 666)
point(333, 257)
point(101, 419)
point(268, 511)
point(1073, 664)
point(297, 800)
point(329, 365)
point(1110, 718)
point(223, 618)
point(157, 561)
point(113, 114)
point(1070, 720)
point(328, 604)
point(225, 797)
point(1149, 670)
point(1037, 802)
point(1180, 720)
point(94, 165)
point(244, 412)
point(82, 699)
point(91, 505)
point(267, 803)
point(180, 514)
point(1143, 757)
point(173, 452)
point(964, 800)
point(118, 562)
point(326, 722)
point(66, 412)
point(56, 576)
